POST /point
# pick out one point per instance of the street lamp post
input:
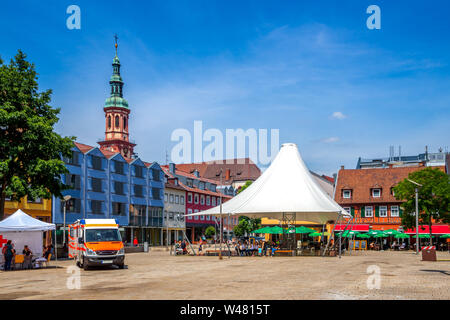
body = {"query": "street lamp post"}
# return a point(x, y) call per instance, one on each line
point(66, 198)
point(416, 189)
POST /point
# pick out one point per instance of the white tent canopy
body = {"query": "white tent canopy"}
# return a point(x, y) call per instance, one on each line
point(20, 221)
point(286, 186)
point(22, 230)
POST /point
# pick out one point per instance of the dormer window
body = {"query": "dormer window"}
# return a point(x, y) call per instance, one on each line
point(346, 193)
point(376, 193)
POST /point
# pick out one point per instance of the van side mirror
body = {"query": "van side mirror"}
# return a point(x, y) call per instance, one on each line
point(80, 240)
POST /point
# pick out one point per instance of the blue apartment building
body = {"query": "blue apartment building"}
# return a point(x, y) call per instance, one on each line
point(104, 184)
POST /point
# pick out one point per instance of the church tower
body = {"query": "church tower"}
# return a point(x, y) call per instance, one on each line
point(117, 115)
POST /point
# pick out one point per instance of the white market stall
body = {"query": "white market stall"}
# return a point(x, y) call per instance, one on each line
point(286, 191)
point(22, 230)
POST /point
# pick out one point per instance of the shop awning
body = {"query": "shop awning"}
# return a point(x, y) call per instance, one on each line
point(435, 229)
point(355, 227)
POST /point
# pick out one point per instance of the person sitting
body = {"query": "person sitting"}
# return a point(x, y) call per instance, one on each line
point(27, 255)
point(47, 252)
point(237, 249)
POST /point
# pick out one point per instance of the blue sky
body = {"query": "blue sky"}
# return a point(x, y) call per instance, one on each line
point(311, 69)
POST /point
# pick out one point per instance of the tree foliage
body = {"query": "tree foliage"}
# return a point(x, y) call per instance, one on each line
point(434, 197)
point(246, 225)
point(245, 186)
point(210, 231)
point(30, 149)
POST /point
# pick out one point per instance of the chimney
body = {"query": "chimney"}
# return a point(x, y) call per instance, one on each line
point(227, 175)
point(172, 167)
point(342, 167)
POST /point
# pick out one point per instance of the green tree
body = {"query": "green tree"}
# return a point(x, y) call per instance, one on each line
point(210, 231)
point(246, 224)
point(245, 186)
point(434, 197)
point(30, 151)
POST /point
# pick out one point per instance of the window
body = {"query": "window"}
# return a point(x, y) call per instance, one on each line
point(369, 211)
point(383, 211)
point(124, 122)
point(138, 172)
point(96, 163)
point(201, 185)
point(96, 207)
point(118, 209)
point(171, 198)
point(394, 211)
point(208, 200)
point(189, 183)
point(73, 181)
point(189, 197)
point(177, 199)
point(376, 193)
point(36, 200)
point(73, 160)
point(213, 187)
point(196, 198)
point(166, 197)
point(96, 184)
point(346, 194)
point(109, 122)
point(182, 200)
point(156, 194)
point(202, 200)
point(218, 201)
point(117, 122)
point(118, 167)
point(196, 217)
point(156, 175)
point(181, 216)
point(138, 191)
point(72, 206)
point(213, 202)
point(118, 187)
point(170, 215)
point(348, 209)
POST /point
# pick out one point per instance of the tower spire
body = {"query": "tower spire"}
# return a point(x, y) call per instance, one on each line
point(117, 114)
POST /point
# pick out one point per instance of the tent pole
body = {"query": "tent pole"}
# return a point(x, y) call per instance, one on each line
point(56, 250)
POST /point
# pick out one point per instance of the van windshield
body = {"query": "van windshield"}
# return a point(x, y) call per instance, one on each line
point(99, 235)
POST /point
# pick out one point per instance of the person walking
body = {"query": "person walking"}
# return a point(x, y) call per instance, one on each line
point(8, 254)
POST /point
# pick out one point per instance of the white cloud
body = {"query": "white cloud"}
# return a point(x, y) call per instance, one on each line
point(330, 140)
point(338, 115)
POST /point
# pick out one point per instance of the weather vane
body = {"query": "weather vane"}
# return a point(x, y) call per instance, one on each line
point(115, 38)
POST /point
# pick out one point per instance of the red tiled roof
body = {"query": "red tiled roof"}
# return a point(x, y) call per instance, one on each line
point(328, 178)
point(108, 154)
point(83, 147)
point(189, 175)
point(361, 181)
point(239, 169)
point(193, 189)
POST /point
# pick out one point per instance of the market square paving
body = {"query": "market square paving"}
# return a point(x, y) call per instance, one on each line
point(157, 275)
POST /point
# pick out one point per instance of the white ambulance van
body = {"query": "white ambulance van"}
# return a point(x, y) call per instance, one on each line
point(96, 242)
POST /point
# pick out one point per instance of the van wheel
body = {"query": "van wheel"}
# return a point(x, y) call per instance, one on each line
point(85, 265)
point(78, 264)
point(121, 266)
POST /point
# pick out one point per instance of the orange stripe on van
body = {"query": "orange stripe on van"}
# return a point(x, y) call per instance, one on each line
point(100, 225)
